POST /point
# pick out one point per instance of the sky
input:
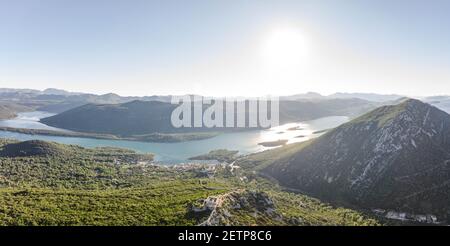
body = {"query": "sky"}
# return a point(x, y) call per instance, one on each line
point(226, 47)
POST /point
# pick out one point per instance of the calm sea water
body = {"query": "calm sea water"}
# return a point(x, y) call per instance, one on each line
point(172, 153)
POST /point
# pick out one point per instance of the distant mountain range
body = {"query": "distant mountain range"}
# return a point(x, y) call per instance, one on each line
point(441, 102)
point(395, 157)
point(57, 101)
point(363, 96)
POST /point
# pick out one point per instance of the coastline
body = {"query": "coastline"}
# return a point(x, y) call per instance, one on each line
point(151, 138)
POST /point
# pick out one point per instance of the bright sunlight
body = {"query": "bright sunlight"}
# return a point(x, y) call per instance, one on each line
point(286, 49)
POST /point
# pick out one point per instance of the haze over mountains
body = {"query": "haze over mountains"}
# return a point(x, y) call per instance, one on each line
point(442, 102)
point(57, 100)
point(395, 157)
point(339, 95)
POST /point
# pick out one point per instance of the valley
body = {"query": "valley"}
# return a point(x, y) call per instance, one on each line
point(379, 163)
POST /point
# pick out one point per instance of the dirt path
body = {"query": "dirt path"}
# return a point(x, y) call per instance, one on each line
point(219, 200)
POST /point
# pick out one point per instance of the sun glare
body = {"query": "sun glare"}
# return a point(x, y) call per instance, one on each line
point(286, 49)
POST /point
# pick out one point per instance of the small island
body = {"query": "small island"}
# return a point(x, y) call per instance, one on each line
point(295, 128)
point(321, 131)
point(221, 155)
point(274, 143)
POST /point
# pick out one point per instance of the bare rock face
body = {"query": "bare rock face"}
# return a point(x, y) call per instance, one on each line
point(239, 208)
point(395, 157)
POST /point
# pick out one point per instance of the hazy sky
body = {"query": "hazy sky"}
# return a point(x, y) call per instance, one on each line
point(226, 47)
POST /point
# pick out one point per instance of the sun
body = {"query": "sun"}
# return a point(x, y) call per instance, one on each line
point(286, 49)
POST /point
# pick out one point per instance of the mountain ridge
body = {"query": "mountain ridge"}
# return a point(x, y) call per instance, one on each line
point(394, 157)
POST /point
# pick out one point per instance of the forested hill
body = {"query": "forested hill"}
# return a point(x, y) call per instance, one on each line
point(146, 117)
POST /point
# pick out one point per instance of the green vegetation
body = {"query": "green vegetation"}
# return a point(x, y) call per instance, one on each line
point(42, 164)
point(44, 183)
point(162, 203)
point(386, 114)
point(33, 148)
point(303, 210)
point(55, 184)
point(261, 202)
point(221, 155)
point(263, 159)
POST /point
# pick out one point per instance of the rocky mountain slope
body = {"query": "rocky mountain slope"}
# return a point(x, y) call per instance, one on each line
point(395, 157)
point(252, 207)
